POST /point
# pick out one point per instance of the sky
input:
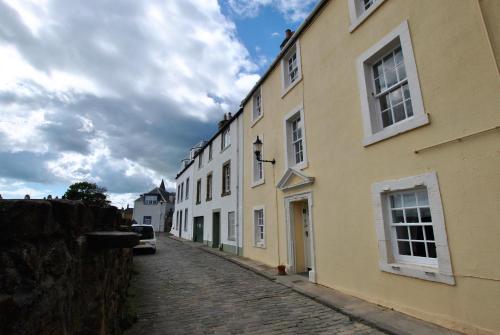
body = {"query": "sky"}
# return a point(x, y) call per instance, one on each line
point(116, 92)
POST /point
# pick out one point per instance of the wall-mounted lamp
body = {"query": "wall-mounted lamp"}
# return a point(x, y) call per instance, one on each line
point(257, 148)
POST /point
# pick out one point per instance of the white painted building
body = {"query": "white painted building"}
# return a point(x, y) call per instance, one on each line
point(154, 207)
point(215, 176)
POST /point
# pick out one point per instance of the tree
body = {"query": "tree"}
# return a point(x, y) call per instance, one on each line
point(90, 193)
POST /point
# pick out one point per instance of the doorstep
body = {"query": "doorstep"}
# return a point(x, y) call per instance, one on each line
point(377, 316)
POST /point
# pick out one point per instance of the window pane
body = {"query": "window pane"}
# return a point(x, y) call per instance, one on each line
point(411, 215)
point(390, 76)
point(417, 233)
point(398, 55)
point(384, 102)
point(431, 248)
point(404, 248)
point(409, 199)
point(397, 216)
point(396, 97)
point(425, 214)
point(401, 72)
point(406, 91)
point(399, 113)
point(402, 233)
point(396, 201)
point(423, 200)
point(409, 108)
point(418, 249)
point(386, 118)
point(429, 233)
point(377, 69)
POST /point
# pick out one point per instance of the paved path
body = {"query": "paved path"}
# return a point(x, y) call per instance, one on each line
point(184, 290)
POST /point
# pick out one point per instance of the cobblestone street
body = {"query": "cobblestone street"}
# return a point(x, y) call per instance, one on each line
point(184, 290)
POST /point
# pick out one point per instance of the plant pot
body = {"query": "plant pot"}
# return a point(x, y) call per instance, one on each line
point(281, 270)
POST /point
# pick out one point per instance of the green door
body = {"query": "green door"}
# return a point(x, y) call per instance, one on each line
point(198, 229)
point(216, 230)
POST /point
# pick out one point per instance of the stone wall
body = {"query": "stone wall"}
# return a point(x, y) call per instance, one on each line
point(51, 281)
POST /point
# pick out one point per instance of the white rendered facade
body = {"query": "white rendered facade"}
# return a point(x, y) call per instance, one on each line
point(184, 228)
point(153, 207)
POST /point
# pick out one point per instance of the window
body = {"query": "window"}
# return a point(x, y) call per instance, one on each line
point(226, 178)
point(259, 229)
point(182, 191)
point(209, 187)
point(295, 139)
point(359, 10)
point(257, 105)
point(391, 102)
point(150, 200)
point(231, 227)
point(198, 191)
point(257, 167)
point(210, 151)
point(200, 159)
point(225, 139)
point(178, 193)
point(146, 220)
point(290, 68)
point(180, 220)
point(185, 219)
point(187, 188)
point(411, 229)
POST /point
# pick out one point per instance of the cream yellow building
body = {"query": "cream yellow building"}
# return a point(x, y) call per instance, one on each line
point(383, 117)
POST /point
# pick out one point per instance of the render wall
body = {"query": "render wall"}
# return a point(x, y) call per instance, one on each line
point(157, 212)
point(460, 91)
point(182, 204)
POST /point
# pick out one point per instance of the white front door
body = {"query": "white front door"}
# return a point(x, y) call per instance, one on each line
point(307, 238)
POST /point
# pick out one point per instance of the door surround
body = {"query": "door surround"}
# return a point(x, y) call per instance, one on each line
point(290, 233)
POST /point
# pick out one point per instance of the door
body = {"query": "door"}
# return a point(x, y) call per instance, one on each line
point(307, 238)
point(198, 229)
point(216, 230)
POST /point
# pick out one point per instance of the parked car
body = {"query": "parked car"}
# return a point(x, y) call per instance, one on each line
point(147, 239)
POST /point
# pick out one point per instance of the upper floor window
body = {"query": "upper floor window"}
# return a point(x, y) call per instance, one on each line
point(225, 139)
point(200, 159)
point(210, 151)
point(295, 139)
point(150, 200)
point(187, 188)
point(291, 69)
point(257, 105)
point(186, 219)
point(182, 191)
point(178, 193)
point(391, 101)
point(198, 191)
point(365, 4)
point(226, 178)
point(359, 10)
point(209, 187)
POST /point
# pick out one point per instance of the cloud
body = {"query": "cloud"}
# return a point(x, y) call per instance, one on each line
point(113, 92)
point(293, 10)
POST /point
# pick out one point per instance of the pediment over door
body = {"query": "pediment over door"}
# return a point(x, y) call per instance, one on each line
point(294, 179)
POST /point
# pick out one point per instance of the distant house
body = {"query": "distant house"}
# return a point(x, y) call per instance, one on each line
point(126, 213)
point(155, 208)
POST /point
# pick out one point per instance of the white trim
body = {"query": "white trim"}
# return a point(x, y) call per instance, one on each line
point(285, 90)
point(304, 164)
point(368, 104)
point(255, 120)
point(443, 272)
point(261, 181)
point(357, 19)
point(263, 243)
point(290, 233)
point(292, 172)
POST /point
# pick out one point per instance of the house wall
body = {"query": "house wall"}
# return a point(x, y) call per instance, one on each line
point(222, 204)
point(183, 204)
point(460, 87)
point(157, 213)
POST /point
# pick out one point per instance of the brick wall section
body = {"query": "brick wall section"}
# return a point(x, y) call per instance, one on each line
point(51, 282)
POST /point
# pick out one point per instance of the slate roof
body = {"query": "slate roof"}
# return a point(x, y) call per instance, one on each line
point(161, 191)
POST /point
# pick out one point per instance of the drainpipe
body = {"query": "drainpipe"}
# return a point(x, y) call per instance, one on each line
point(237, 218)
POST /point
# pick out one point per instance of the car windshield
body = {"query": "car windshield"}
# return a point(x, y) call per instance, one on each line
point(145, 231)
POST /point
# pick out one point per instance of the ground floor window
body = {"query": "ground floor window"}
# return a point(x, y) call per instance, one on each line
point(231, 226)
point(259, 226)
point(185, 219)
point(146, 220)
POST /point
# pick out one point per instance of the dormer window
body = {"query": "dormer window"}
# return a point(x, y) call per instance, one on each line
point(225, 139)
point(150, 200)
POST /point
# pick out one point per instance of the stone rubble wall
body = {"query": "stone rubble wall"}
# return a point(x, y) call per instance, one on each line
point(51, 282)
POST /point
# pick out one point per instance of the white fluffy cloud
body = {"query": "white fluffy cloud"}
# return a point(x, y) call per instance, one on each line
point(293, 10)
point(112, 92)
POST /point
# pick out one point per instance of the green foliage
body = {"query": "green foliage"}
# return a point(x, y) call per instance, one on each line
point(90, 193)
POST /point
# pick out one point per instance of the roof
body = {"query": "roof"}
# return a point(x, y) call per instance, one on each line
point(286, 47)
point(161, 191)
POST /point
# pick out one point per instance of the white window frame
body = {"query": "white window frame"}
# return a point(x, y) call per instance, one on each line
point(226, 180)
point(231, 227)
point(259, 243)
point(255, 163)
point(286, 85)
point(200, 160)
point(289, 150)
point(209, 190)
point(257, 97)
point(150, 201)
point(369, 104)
point(199, 187)
point(358, 14)
point(388, 262)
point(225, 139)
point(182, 191)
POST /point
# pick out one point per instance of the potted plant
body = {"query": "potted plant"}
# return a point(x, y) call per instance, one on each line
point(281, 270)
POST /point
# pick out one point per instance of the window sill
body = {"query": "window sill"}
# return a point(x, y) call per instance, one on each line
point(300, 166)
point(289, 87)
point(222, 150)
point(258, 183)
point(260, 246)
point(396, 129)
point(360, 19)
point(254, 122)
point(225, 194)
point(198, 202)
point(418, 271)
point(208, 199)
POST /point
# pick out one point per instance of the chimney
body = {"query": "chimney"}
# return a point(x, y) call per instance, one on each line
point(229, 116)
point(288, 34)
point(223, 122)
